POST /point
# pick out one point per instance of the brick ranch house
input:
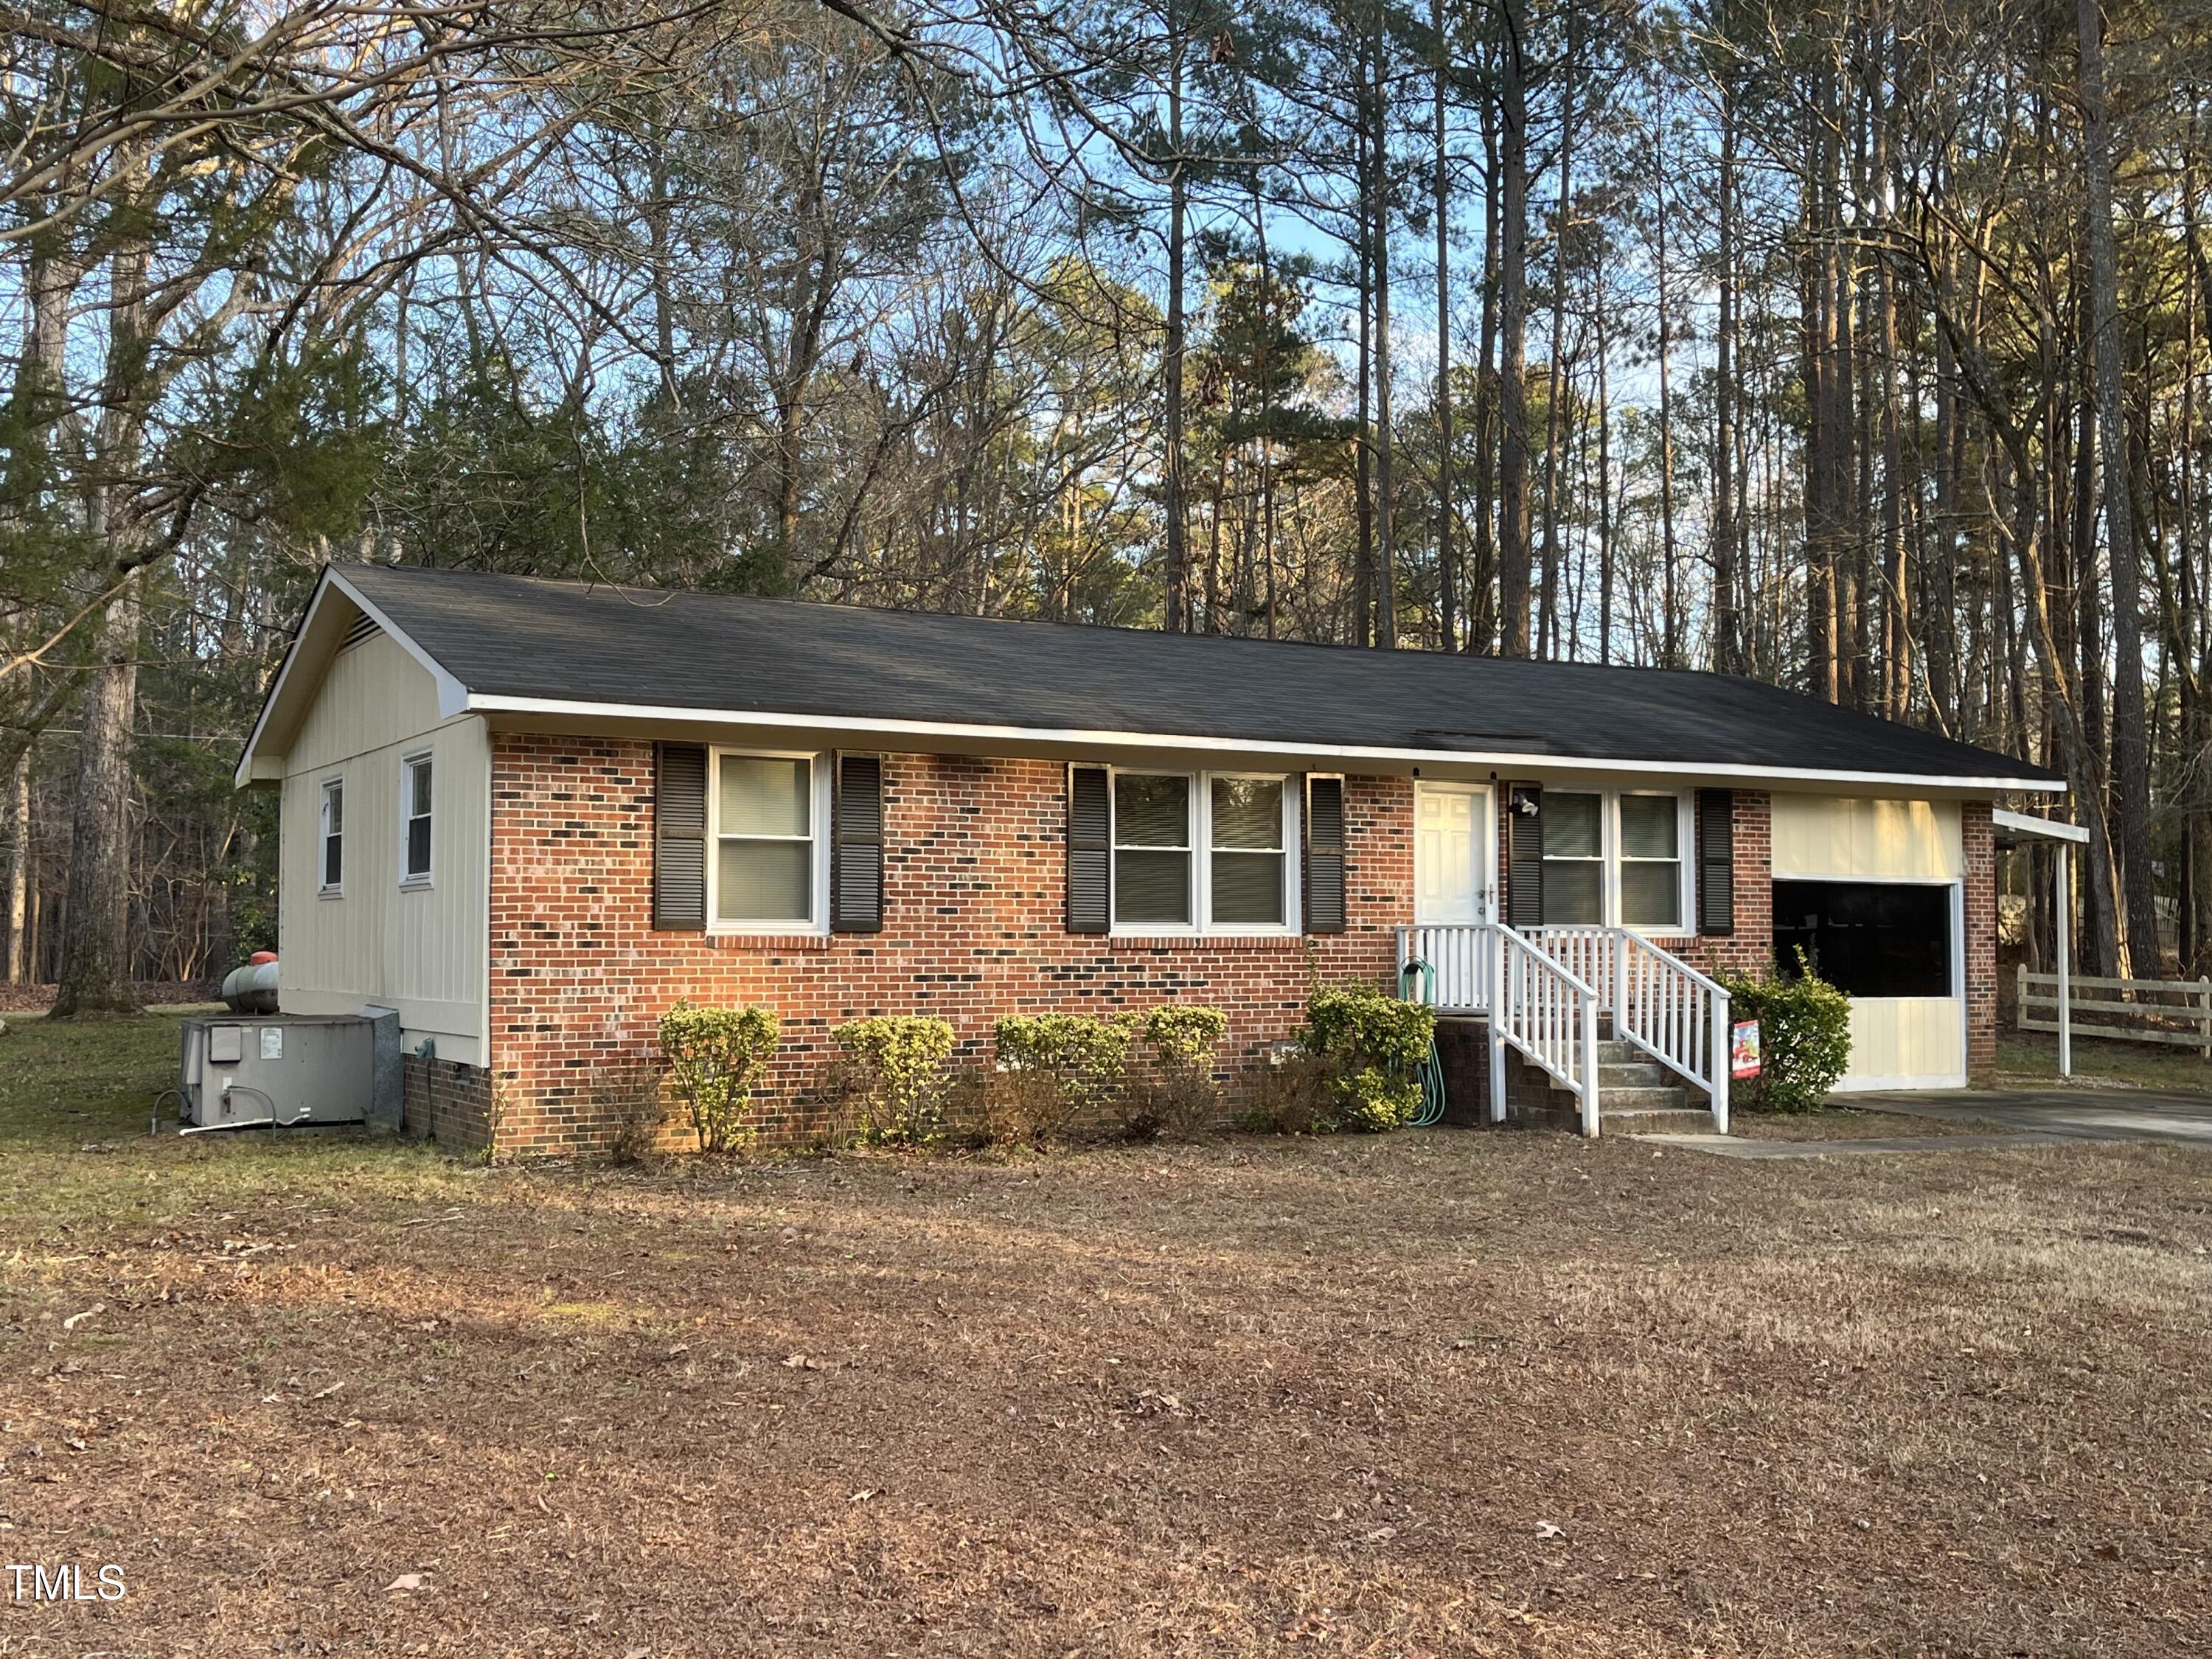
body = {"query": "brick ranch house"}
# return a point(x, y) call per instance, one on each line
point(530, 815)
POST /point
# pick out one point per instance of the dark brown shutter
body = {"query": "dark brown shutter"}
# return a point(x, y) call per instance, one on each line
point(856, 840)
point(1324, 859)
point(1089, 851)
point(679, 838)
point(1524, 856)
point(1716, 861)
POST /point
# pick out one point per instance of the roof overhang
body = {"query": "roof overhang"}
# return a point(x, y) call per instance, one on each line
point(728, 725)
point(2022, 826)
point(336, 603)
point(329, 614)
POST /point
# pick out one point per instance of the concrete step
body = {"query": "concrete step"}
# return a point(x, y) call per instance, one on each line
point(1642, 1100)
point(1685, 1121)
point(1618, 1051)
point(1632, 1074)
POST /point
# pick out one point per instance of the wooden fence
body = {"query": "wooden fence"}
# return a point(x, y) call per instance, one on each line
point(2170, 1010)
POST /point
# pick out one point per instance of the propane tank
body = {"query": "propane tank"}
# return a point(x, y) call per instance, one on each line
point(252, 989)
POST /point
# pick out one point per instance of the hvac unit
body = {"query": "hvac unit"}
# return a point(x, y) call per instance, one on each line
point(283, 1070)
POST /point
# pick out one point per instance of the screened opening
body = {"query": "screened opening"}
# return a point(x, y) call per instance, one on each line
point(1868, 938)
point(764, 840)
point(1248, 857)
point(1574, 858)
point(1151, 848)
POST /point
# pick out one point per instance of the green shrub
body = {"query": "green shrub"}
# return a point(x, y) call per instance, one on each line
point(1371, 1043)
point(1289, 1094)
point(1804, 1039)
point(895, 1067)
point(1177, 1094)
point(1063, 1066)
point(715, 1055)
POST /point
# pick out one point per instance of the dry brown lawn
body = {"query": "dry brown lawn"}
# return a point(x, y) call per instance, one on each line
point(1455, 1393)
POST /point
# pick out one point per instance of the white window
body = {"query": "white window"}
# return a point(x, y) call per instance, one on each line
point(1574, 858)
point(1151, 849)
point(332, 876)
point(1248, 884)
point(1202, 851)
point(766, 872)
point(1651, 862)
point(1613, 859)
point(415, 820)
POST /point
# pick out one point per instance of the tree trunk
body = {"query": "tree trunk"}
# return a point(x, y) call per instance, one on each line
point(18, 869)
point(2130, 742)
point(1386, 572)
point(1513, 361)
point(1447, 576)
point(1178, 531)
point(95, 965)
point(1728, 619)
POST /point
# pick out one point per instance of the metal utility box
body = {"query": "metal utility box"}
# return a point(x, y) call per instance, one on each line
point(245, 1071)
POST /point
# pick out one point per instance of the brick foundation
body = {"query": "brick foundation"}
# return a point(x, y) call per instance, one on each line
point(974, 874)
point(446, 1101)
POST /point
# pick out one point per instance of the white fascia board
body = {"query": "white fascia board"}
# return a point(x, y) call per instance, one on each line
point(2021, 823)
point(452, 695)
point(1059, 737)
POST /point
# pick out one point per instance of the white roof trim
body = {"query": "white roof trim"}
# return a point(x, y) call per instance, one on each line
point(2041, 829)
point(487, 704)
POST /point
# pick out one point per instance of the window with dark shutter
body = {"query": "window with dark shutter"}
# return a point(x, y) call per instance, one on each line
point(1089, 851)
point(1324, 859)
point(1716, 861)
point(1524, 856)
point(856, 869)
point(680, 839)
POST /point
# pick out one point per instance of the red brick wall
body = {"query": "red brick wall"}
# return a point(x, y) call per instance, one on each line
point(1981, 908)
point(972, 928)
point(446, 1101)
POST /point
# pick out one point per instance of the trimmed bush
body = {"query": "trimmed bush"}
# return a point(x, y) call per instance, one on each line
point(714, 1056)
point(1178, 1096)
point(1063, 1067)
point(895, 1067)
point(1371, 1043)
point(1804, 1039)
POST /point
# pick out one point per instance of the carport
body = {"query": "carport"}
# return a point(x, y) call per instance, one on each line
point(2017, 829)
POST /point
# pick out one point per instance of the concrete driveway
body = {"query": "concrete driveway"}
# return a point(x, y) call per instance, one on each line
point(2072, 1114)
point(2015, 1117)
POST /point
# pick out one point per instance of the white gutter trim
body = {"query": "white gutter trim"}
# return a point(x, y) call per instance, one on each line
point(2021, 823)
point(489, 703)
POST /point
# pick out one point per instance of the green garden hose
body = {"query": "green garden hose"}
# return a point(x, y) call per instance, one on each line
point(1430, 1072)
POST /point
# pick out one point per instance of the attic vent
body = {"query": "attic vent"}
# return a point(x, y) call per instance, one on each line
point(362, 628)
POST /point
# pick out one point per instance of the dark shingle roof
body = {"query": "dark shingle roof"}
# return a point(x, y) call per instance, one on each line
point(520, 636)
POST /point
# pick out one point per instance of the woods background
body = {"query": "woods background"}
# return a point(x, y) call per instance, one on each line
point(1856, 346)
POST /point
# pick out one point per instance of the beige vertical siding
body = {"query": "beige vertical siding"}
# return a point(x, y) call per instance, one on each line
point(1845, 838)
point(422, 951)
point(1901, 1042)
point(1895, 1041)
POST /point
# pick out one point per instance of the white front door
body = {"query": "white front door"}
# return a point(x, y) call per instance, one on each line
point(1451, 845)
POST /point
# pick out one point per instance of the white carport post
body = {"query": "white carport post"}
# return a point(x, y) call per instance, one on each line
point(2063, 837)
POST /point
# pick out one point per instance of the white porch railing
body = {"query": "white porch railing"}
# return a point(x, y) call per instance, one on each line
point(1535, 1005)
point(1667, 1008)
point(1464, 957)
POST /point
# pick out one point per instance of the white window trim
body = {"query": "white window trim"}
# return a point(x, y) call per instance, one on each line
point(1199, 835)
point(327, 889)
point(421, 880)
point(818, 825)
point(1608, 818)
